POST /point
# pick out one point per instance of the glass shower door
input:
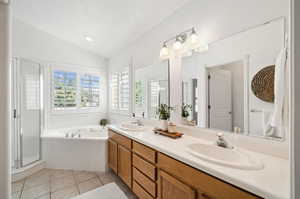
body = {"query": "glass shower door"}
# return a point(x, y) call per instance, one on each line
point(27, 112)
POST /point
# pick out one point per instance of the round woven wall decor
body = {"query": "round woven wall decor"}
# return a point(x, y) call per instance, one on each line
point(262, 84)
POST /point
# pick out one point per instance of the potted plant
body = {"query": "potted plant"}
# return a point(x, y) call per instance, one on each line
point(185, 111)
point(103, 122)
point(164, 113)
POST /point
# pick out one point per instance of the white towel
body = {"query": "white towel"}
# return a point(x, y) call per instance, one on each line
point(267, 128)
point(279, 92)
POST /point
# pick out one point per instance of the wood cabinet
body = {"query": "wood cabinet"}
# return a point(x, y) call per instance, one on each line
point(151, 174)
point(113, 155)
point(172, 188)
point(120, 156)
point(124, 164)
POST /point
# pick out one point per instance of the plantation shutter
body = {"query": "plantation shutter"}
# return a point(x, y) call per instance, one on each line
point(114, 92)
point(124, 93)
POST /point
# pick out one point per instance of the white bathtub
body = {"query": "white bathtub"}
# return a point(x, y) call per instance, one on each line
point(88, 152)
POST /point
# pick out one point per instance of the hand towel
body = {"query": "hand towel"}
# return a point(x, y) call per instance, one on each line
point(279, 92)
point(266, 123)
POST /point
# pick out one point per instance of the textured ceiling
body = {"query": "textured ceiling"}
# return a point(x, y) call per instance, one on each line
point(113, 24)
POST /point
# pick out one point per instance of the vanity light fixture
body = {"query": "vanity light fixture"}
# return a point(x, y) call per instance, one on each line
point(185, 44)
point(89, 39)
point(164, 51)
point(177, 45)
point(194, 37)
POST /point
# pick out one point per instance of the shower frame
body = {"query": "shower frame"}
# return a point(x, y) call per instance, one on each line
point(16, 104)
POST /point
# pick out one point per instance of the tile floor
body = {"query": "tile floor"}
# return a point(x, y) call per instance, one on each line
point(63, 184)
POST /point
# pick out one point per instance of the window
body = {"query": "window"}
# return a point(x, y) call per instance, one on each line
point(74, 90)
point(65, 89)
point(89, 90)
point(120, 91)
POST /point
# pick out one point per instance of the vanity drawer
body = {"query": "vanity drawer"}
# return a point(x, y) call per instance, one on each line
point(144, 166)
point(145, 182)
point(140, 192)
point(120, 139)
point(144, 151)
point(201, 181)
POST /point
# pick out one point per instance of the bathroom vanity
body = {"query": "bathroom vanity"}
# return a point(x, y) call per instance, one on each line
point(152, 172)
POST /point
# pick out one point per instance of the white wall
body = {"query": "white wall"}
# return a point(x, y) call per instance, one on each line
point(32, 43)
point(4, 101)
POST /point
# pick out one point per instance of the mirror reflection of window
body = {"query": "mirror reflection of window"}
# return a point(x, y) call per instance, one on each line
point(151, 89)
point(190, 100)
point(140, 101)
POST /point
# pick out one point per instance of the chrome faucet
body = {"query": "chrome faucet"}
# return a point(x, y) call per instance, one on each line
point(136, 121)
point(76, 134)
point(221, 142)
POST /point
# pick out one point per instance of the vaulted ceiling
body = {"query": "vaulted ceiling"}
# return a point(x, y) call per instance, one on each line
point(112, 24)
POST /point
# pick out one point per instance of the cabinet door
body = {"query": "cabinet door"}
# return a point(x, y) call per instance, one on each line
point(171, 188)
point(124, 164)
point(113, 155)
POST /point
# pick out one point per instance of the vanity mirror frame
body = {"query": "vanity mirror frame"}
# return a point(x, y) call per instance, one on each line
point(134, 68)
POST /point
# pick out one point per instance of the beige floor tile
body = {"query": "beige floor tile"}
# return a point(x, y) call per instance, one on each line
point(107, 177)
point(43, 172)
point(81, 176)
point(35, 192)
point(65, 193)
point(36, 180)
point(89, 185)
point(15, 195)
point(17, 186)
point(59, 183)
point(59, 173)
point(47, 196)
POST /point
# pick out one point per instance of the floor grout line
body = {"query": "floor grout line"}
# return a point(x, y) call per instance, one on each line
point(100, 176)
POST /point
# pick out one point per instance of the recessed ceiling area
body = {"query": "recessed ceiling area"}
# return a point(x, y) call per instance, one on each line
point(111, 24)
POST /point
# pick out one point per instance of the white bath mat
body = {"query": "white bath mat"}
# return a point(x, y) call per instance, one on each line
point(109, 191)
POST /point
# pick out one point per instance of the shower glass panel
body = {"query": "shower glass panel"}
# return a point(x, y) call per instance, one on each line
point(27, 112)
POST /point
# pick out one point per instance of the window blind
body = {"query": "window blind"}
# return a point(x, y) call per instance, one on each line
point(65, 89)
point(89, 90)
point(120, 91)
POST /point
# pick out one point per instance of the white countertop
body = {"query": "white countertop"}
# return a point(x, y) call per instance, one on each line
point(272, 182)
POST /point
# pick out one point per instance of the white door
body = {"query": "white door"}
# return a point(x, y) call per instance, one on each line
point(220, 96)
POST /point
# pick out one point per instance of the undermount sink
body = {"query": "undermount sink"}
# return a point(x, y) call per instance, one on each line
point(132, 127)
point(234, 158)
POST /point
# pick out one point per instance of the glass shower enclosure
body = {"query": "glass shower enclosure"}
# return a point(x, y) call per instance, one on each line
point(27, 109)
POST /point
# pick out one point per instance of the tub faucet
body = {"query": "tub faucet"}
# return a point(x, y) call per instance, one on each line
point(221, 142)
point(76, 134)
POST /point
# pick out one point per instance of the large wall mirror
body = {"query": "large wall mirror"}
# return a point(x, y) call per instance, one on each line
point(216, 85)
point(151, 88)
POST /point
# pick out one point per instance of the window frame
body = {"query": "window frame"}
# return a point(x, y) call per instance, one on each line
point(80, 71)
